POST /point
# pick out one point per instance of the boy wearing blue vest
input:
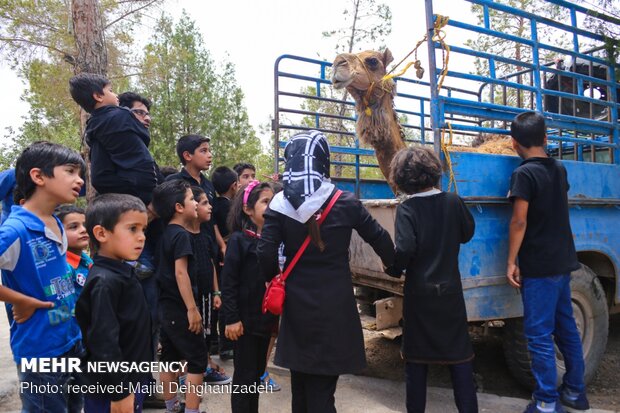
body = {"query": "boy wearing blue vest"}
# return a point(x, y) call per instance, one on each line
point(38, 288)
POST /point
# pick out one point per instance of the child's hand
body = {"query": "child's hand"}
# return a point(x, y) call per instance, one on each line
point(513, 273)
point(217, 302)
point(195, 321)
point(234, 331)
point(124, 405)
point(25, 307)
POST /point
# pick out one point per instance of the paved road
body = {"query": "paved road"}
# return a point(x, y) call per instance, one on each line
point(355, 394)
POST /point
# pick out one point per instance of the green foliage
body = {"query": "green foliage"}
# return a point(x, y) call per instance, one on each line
point(520, 27)
point(37, 38)
point(608, 27)
point(192, 96)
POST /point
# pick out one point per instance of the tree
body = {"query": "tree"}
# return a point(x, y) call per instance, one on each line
point(366, 23)
point(42, 44)
point(603, 13)
point(192, 96)
point(517, 26)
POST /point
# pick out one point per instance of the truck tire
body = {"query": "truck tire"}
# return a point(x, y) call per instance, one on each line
point(592, 318)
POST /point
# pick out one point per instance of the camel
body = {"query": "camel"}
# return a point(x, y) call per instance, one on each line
point(377, 123)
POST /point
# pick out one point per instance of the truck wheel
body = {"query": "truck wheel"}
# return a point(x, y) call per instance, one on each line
point(592, 318)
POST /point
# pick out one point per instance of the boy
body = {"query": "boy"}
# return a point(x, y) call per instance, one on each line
point(208, 285)
point(111, 311)
point(119, 154)
point(541, 236)
point(246, 173)
point(37, 286)
point(78, 262)
point(195, 155)
point(181, 324)
point(225, 181)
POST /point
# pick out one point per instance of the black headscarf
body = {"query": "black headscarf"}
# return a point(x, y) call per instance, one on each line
point(307, 166)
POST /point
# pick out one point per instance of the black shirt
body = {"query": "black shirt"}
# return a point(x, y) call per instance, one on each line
point(119, 154)
point(209, 189)
point(221, 207)
point(548, 247)
point(176, 242)
point(115, 322)
point(203, 257)
point(429, 234)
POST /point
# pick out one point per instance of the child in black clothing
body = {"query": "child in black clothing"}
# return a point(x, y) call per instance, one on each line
point(111, 311)
point(119, 154)
point(242, 293)
point(180, 320)
point(226, 184)
point(541, 257)
point(430, 226)
point(208, 284)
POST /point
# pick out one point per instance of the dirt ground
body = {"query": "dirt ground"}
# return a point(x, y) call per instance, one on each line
point(492, 374)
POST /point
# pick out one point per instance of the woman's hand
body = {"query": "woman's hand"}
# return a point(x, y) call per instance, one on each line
point(234, 331)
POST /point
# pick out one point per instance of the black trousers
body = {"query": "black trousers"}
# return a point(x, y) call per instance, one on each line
point(462, 376)
point(313, 393)
point(249, 362)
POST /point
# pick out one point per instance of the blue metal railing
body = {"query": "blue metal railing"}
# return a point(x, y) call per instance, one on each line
point(481, 104)
point(587, 134)
point(295, 98)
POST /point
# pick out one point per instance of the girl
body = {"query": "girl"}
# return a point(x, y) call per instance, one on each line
point(320, 334)
point(242, 293)
point(430, 226)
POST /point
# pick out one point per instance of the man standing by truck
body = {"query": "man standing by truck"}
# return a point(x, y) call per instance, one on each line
point(540, 234)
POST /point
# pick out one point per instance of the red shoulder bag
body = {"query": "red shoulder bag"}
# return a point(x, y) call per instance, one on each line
point(273, 301)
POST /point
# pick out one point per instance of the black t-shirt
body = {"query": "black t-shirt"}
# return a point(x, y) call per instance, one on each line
point(203, 258)
point(176, 242)
point(221, 207)
point(548, 247)
point(209, 189)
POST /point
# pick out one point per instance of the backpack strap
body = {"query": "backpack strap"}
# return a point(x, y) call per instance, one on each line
point(306, 242)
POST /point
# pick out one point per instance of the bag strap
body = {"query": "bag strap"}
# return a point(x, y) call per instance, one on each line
point(303, 247)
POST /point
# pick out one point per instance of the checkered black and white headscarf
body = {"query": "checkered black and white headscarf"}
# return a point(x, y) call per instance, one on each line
point(306, 176)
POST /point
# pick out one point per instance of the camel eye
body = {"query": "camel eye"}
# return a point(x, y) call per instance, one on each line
point(372, 62)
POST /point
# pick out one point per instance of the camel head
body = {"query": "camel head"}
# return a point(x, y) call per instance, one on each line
point(357, 72)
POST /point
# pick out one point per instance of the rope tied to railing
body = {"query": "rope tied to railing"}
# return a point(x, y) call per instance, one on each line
point(446, 153)
point(439, 36)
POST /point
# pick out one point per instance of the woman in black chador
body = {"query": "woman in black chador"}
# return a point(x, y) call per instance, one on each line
point(430, 227)
point(320, 334)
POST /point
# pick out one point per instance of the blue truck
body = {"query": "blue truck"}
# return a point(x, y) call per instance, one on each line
point(578, 94)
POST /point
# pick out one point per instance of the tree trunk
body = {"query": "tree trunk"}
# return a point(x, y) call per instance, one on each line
point(92, 57)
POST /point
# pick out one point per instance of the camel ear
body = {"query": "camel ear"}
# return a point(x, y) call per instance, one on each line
point(387, 57)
